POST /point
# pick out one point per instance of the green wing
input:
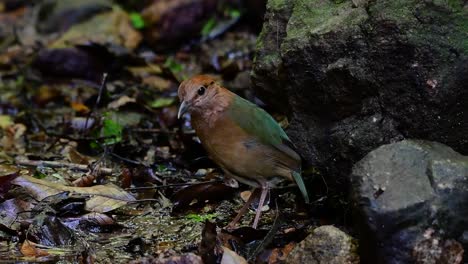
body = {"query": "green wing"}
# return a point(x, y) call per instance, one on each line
point(255, 121)
point(261, 125)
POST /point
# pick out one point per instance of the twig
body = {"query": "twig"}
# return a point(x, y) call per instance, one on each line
point(58, 164)
point(154, 130)
point(134, 162)
point(98, 99)
point(170, 185)
point(145, 200)
point(84, 138)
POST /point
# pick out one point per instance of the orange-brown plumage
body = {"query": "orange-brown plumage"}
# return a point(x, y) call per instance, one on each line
point(240, 137)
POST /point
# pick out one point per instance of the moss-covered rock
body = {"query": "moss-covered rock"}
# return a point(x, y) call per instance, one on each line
point(357, 74)
point(354, 75)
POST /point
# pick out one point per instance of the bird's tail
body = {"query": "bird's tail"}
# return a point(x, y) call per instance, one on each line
point(300, 183)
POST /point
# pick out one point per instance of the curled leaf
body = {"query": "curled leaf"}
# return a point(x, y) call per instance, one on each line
point(104, 198)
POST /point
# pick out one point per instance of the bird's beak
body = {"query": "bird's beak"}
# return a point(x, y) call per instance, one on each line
point(183, 108)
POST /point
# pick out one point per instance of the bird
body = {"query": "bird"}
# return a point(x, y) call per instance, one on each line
point(241, 138)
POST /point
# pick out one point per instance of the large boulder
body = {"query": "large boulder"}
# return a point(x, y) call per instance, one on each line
point(354, 75)
point(411, 203)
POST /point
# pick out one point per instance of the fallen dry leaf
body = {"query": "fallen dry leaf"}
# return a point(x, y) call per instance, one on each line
point(123, 100)
point(157, 82)
point(85, 181)
point(76, 157)
point(231, 257)
point(13, 139)
point(104, 198)
point(95, 218)
point(279, 255)
point(79, 107)
point(29, 249)
point(11, 209)
point(112, 27)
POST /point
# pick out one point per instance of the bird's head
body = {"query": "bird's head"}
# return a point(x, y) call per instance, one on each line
point(197, 93)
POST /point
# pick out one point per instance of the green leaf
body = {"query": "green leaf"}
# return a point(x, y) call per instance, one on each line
point(234, 13)
point(39, 174)
point(201, 218)
point(162, 102)
point(161, 168)
point(173, 65)
point(137, 20)
point(112, 131)
point(5, 121)
point(209, 25)
point(94, 145)
point(19, 81)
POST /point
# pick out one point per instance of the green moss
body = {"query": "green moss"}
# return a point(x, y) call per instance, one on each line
point(261, 38)
point(454, 5)
point(443, 28)
point(320, 17)
point(272, 33)
point(438, 23)
point(460, 40)
point(396, 10)
point(276, 4)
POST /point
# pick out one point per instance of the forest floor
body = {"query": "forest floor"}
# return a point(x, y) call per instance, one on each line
point(94, 164)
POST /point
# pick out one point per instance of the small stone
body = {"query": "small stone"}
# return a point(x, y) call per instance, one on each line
point(201, 172)
point(326, 244)
point(433, 249)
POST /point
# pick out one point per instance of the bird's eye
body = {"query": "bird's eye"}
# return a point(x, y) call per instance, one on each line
point(201, 90)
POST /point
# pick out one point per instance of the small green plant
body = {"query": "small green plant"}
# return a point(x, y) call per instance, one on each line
point(161, 168)
point(38, 174)
point(173, 65)
point(234, 13)
point(200, 218)
point(111, 131)
point(137, 21)
point(208, 26)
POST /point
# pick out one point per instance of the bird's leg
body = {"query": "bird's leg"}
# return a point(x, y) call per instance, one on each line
point(264, 187)
point(242, 211)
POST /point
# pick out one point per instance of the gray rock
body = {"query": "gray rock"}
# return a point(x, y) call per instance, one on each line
point(436, 250)
point(403, 189)
point(354, 75)
point(326, 245)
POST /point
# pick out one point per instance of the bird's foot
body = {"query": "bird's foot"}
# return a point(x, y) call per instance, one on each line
point(242, 211)
point(263, 195)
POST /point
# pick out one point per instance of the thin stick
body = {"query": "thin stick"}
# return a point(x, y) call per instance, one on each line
point(169, 185)
point(134, 162)
point(144, 200)
point(58, 164)
point(155, 130)
point(98, 99)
